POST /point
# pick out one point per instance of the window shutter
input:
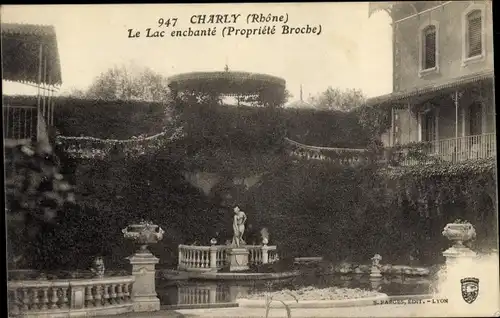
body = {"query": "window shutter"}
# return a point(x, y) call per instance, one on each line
point(429, 56)
point(474, 33)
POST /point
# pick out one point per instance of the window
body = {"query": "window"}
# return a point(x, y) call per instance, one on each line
point(429, 47)
point(474, 34)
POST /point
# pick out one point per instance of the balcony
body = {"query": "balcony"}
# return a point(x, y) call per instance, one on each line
point(451, 150)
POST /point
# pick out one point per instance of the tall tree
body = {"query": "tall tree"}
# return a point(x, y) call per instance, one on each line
point(337, 99)
point(129, 82)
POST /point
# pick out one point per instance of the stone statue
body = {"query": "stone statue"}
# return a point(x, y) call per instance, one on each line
point(239, 220)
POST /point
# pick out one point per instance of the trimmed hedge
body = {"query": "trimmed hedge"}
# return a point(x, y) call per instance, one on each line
point(217, 124)
point(101, 118)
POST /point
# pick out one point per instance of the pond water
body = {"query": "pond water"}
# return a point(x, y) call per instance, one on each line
point(189, 292)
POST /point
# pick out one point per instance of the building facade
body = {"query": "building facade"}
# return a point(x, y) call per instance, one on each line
point(442, 77)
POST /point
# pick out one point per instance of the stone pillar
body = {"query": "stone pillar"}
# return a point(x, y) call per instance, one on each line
point(213, 258)
point(179, 262)
point(144, 290)
point(212, 293)
point(238, 259)
point(265, 254)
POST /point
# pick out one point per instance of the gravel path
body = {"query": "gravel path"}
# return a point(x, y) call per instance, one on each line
point(311, 293)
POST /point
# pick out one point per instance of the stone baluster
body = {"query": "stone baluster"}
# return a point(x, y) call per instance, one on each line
point(45, 298)
point(98, 296)
point(65, 299)
point(25, 300)
point(113, 294)
point(54, 299)
point(106, 295)
point(88, 296)
point(119, 294)
point(204, 259)
point(197, 295)
point(35, 301)
point(219, 258)
point(125, 292)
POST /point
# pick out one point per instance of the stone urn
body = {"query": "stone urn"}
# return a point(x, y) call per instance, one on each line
point(459, 232)
point(144, 234)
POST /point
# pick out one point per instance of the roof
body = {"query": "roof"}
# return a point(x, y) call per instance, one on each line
point(226, 82)
point(431, 88)
point(21, 49)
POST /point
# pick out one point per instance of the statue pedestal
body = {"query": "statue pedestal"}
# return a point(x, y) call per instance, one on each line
point(457, 252)
point(375, 273)
point(144, 290)
point(238, 259)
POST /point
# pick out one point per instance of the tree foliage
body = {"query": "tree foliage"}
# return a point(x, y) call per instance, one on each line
point(35, 192)
point(338, 99)
point(127, 82)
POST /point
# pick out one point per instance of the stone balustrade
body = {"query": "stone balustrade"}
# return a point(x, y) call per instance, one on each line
point(78, 297)
point(202, 294)
point(213, 258)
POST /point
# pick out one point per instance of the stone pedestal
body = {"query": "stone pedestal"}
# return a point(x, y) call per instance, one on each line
point(265, 254)
point(238, 259)
point(457, 252)
point(144, 290)
point(213, 258)
point(375, 273)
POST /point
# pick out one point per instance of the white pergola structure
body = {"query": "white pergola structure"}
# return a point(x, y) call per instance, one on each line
point(29, 56)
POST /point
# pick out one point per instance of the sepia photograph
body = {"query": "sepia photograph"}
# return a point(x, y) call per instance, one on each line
point(315, 159)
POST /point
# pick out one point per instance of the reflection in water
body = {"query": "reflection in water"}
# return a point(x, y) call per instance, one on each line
point(204, 292)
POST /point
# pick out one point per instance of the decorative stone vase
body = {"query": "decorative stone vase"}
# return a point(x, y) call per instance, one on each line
point(144, 234)
point(265, 241)
point(459, 233)
point(213, 241)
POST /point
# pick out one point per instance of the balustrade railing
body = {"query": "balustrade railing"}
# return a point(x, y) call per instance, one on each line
point(19, 122)
point(202, 294)
point(454, 150)
point(213, 258)
point(79, 297)
point(195, 257)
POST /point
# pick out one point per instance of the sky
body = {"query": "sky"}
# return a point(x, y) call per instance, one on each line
point(352, 51)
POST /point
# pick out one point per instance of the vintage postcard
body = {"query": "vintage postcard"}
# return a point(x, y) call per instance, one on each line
point(250, 160)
